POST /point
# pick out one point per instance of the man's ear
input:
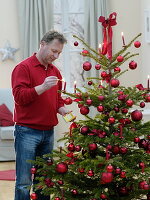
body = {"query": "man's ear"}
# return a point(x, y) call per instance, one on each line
point(42, 43)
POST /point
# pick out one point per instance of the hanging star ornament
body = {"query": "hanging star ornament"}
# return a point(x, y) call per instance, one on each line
point(8, 52)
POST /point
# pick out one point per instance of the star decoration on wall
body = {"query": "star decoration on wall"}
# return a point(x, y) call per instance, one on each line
point(8, 52)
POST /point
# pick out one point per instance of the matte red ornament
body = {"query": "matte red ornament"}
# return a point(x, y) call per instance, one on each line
point(61, 168)
point(89, 102)
point(136, 115)
point(97, 66)
point(33, 170)
point(115, 149)
point(123, 150)
point(103, 196)
point(114, 82)
point(124, 110)
point(110, 168)
point(85, 52)
point(76, 43)
point(106, 177)
point(90, 173)
point(71, 147)
point(84, 110)
point(129, 102)
point(92, 147)
point(120, 58)
point(78, 148)
point(33, 196)
point(100, 108)
point(137, 44)
point(101, 98)
point(117, 69)
point(142, 104)
point(84, 130)
point(111, 120)
point(68, 101)
point(132, 65)
point(87, 66)
point(90, 82)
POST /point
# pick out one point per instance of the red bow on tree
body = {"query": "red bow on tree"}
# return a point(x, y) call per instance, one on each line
point(107, 32)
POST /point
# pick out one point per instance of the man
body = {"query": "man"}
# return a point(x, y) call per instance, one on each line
point(35, 86)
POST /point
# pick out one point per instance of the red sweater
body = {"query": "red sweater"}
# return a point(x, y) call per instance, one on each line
point(33, 110)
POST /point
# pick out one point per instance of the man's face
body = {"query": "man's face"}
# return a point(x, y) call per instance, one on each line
point(51, 51)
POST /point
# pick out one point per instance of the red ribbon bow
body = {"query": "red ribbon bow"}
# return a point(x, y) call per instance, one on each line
point(107, 32)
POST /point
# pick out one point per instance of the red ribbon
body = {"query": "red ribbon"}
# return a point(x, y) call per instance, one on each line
point(107, 32)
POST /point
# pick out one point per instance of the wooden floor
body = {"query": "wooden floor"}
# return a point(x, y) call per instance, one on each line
point(7, 187)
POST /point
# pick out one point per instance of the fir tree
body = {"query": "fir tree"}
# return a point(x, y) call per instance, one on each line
point(106, 156)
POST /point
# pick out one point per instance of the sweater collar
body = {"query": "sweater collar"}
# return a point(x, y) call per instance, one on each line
point(36, 62)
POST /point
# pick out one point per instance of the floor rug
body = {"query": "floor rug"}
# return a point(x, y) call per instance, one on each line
point(8, 175)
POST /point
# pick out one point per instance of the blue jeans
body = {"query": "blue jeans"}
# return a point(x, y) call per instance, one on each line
point(29, 143)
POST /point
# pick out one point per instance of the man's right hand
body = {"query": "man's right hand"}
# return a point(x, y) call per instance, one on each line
point(49, 82)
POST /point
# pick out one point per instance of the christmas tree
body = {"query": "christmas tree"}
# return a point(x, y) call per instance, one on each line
point(106, 156)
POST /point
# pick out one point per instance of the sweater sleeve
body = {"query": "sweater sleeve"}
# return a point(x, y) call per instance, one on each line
point(21, 86)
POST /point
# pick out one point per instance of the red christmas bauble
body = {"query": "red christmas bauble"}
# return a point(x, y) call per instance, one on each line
point(33, 196)
point(57, 198)
point(132, 65)
point(116, 133)
point(117, 69)
point(85, 52)
point(141, 164)
point(147, 98)
point(136, 115)
point(146, 187)
point(117, 171)
point(80, 105)
point(97, 66)
point(123, 191)
point(115, 149)
point(123, 150)
point(124, 110)
point(49, 161)
point(143, 143)
point(122, 174)
point(101, 98)
point(100, 108)
point(110, 168)
point(33, 170)
point(137, 139)
point(111, 120)
point(116, 109)
point(103, 196)
point(90, 82)
point(104, 74)
point(137, 44)
point(84, 110)
point(92, 147)
point(78, 148)
point(114, 82)
point(84, 130)
point(68, 101)
point(90, 173)
point(129, 102)
point(120, 58)
point(142, 104)
point(76, 43)
point(71, 147)
point(74, 191)
point(141, 184)
point(87, 66)
point(60, 182)
point(106, 177)
point(81, 170)
point(61, 168)
point(89, 102)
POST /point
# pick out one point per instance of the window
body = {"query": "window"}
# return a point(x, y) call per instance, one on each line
point(69, 19)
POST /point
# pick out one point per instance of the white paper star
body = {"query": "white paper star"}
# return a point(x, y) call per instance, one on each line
point(8, 52)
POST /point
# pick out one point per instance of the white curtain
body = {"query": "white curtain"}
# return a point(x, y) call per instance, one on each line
point(93, 29)
point(35, 19)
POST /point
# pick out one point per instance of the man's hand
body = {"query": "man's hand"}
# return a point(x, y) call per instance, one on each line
point(49, 82)
point(62, 111)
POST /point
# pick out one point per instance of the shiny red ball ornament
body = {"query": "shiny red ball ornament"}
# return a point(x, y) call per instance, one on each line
point(123, 191)
point(103, 196)
point(85, 52)
point(142, 104)
point(33, 196)
point(87, 66)
point(101, 98)
point(100, 108)
point(92, 147)
point(57, 198)
point(115, 149)
point(78, 148)
point(80, 105)
point(71, 147)
point(89, 102)
point(117, 170)
point(136, 115)
point(84, 110)
point(141, 164)
point(97, 66)
point(129, 102)
point(60, 182)
point(81, 170)
point(33, 170)
point(132, 65)
point(68, 101)
point(123, 150)
point(111, 120)
point(116, 109)
point(117, 69)
point(122, 174)
point(137, 139)
point(49, 161)
point(61, 168)
point(147, 98)
point(120, 58)
point(104, 74)
point(141, 184)
point(90, 82)
point(84, 130)
point(90, 173)
point(114, 82)
point(137, 44)
point(124, 110)
point(74, 192)
point(106, 177)
point(110, 168)
point(146, 187)
point(76, 43)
